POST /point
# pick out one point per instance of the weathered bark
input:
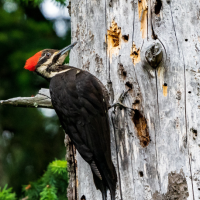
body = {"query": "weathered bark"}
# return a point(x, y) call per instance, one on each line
point(155, 148)
point(40, 100)
point(150, 48)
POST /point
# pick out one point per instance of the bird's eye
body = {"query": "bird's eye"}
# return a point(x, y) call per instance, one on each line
point(48, 54)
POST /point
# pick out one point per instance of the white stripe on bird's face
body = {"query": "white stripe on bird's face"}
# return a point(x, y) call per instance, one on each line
point(42, 69)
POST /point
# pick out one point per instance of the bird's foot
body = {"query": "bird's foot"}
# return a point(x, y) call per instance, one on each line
point(119, 103)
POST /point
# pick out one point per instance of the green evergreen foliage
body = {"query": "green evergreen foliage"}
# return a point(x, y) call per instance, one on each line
point(6, 194)
point(48, 193)
point(52, 185)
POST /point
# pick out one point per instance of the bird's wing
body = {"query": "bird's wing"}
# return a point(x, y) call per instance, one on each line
point(80, 105)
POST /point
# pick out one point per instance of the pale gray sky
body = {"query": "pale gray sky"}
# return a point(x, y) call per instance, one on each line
point(59, 14)
point(52, 10)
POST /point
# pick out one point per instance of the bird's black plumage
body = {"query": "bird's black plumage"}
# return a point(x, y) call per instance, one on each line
point(81, 105)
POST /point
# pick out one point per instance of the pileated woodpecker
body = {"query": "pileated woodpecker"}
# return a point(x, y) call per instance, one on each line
point(81, 103)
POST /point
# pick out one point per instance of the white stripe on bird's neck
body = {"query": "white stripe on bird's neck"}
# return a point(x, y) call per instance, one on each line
point(43, 71)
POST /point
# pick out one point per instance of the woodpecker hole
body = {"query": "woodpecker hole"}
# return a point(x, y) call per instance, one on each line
point(194, 131)
point(83, 197)
point(141, 173)
point(113, 39)
point(136, 104)
point(165, 89)
point(189, 92)
point(125, 37)
point(122, 73)
point(141, 127)
point(129, 85)
point(137, 101)
point(135, 54)
point(178, 95)
point(114, 36)
point(186, 40)
point(158, 6)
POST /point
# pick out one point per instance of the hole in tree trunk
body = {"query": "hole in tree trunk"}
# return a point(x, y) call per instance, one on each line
point(141, 173)
point(125, 38)
point(114, 36)
point(122, 73)
point(83, 197)
point(158, 6)
point(141, 127)
point(129, 85)
point(194, 131)
point(135, 54)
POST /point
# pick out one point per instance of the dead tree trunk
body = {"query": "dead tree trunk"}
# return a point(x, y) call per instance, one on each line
point(150, 48)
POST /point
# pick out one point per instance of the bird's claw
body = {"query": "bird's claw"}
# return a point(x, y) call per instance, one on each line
point(118, 104)
point(120, 100)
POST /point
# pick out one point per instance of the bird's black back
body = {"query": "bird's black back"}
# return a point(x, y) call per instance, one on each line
point(78, 99)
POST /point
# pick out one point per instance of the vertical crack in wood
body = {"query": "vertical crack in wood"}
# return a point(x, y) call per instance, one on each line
point(159, 182)
point(133, 23)
point(106, 41)
point(71, 167)
point(75, 167)
point(116, 148)
point(133, 33)
point(133, 39)
point(148, 22)
point(109, 68)
point(154, 36)
point(132, 156)
point(185, 99)
point(112, 99)
point(175, 32)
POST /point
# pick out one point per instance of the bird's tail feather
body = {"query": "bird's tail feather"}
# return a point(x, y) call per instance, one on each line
point(104, 179)
point(100, 185)
point(111, 180)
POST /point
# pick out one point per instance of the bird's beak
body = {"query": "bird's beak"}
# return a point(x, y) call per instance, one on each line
point(63, 52)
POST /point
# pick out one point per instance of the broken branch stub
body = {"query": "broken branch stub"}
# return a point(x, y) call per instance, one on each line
point(154, 55)
point(41, 100)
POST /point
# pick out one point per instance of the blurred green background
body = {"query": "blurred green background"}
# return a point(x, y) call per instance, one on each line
point(29, 138)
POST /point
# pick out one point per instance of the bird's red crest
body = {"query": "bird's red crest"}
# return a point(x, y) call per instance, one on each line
point(32, 61)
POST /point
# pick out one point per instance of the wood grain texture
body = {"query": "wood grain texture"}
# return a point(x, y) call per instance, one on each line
point(40, 100)
point(167, 98)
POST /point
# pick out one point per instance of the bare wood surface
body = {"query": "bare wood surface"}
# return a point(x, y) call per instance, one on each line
point(156, 149)
point(40, 100)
